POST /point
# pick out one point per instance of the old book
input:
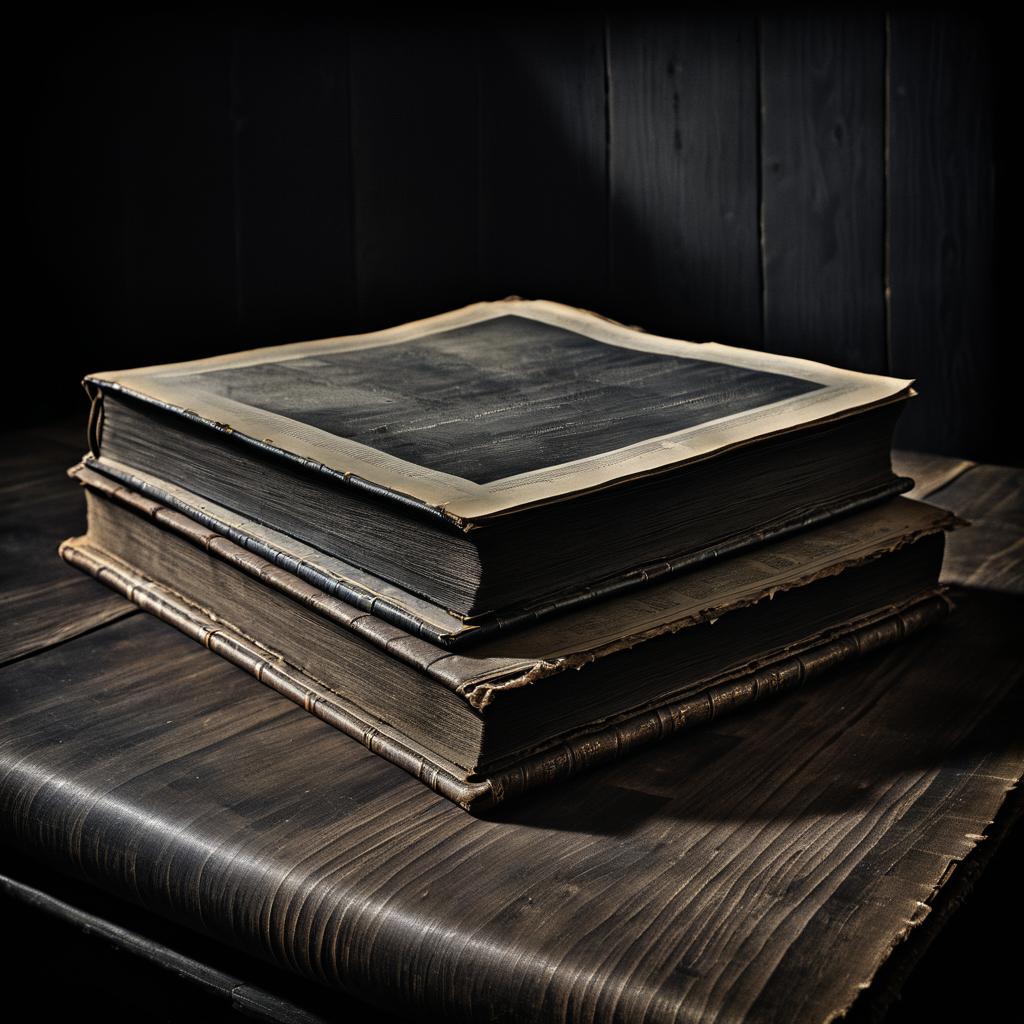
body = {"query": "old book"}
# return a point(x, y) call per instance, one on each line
point(533, 706)
point(510, 456)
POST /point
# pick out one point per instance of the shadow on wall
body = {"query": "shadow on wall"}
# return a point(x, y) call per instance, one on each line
point(200, 184)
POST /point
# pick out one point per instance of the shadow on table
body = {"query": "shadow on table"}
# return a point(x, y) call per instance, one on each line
point(940, 706)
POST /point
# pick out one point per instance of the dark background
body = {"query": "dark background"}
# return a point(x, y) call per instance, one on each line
point(818, 185)
point(830, 186)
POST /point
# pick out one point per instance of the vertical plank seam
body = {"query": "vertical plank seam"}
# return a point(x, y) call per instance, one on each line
point(123, 293)
point(886, 191)
point(608, 218)
point(759, 149)
point(353, 206)
point(235, 127)
point(482, 280)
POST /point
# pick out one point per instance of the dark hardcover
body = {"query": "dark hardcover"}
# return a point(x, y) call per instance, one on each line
point(412, 613)
point(512, 667)
point(332, 575)
point(482, 444)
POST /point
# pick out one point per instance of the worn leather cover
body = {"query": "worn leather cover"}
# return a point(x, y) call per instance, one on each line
point(570, 756)
point(496, 407)
point(547, 649)
point(577, 636)
point(411, 612)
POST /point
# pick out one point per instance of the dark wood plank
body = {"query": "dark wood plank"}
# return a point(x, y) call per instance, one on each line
point(543, 175)
point(684, 212)
point(929, 472)
point(962, 942)
point(415, 122)
point(42, 600)
point(823, 187)
point(172, 974)
point(177, 199)
point(772, 861)
point(990, 553)
point(941, 230)
point(293, 178)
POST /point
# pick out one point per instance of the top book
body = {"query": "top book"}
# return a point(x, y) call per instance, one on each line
point(510, 458)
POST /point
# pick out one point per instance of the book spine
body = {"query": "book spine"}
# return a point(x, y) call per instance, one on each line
point(571, 756)
point(273, 671)
point(116, 484)
point(94, 428)
point(482, 626)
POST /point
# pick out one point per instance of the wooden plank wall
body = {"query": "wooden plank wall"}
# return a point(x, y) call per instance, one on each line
point(817, 185)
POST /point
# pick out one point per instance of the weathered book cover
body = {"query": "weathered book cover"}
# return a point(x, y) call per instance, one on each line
point(503, 462)
point(412, 612)
point(357, 587)
point(497, 406)
point(574, 641)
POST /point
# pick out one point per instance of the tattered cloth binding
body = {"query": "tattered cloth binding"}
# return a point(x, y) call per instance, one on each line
point(508, 458)
point(543, 704)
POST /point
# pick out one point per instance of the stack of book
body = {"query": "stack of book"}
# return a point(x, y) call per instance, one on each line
point(508, 543)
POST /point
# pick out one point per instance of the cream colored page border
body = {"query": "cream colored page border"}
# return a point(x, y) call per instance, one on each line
point(842, 391)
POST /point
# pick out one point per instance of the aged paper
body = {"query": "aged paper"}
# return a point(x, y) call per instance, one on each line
point(601, 438)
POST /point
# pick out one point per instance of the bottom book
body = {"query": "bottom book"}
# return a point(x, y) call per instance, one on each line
point(547, 702)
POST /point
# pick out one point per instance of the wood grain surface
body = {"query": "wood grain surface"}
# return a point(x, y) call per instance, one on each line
point(701, 879)
point(230, 989)
point(40, 603)
point(765, 868)
point(990, 555)
point(929, 472)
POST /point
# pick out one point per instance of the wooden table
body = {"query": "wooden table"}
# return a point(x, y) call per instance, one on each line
point(788, 863)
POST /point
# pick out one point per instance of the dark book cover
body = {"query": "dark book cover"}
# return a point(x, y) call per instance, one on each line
point(388, 672)
point(502, 462)
point(478, 412)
